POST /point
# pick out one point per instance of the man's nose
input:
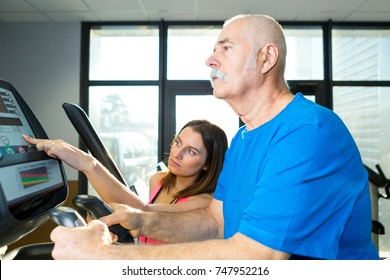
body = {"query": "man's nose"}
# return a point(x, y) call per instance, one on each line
point(212, 61)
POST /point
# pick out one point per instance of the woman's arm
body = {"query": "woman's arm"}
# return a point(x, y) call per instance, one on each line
point(105, 184)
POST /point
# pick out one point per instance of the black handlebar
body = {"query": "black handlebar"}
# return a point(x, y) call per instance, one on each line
point(98, 208)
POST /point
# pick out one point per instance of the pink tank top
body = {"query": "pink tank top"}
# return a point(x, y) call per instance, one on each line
point(153, 194)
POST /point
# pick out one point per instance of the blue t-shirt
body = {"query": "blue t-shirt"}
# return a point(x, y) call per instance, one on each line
point(297, 184)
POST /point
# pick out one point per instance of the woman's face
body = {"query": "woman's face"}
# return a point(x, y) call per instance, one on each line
point(188, 154)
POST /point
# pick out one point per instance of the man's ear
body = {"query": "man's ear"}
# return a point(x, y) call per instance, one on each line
point(269, 56)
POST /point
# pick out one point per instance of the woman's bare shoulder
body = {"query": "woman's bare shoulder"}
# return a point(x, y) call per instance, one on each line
point(155, 179)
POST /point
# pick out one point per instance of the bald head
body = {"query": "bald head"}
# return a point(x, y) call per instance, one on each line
point(260, 30)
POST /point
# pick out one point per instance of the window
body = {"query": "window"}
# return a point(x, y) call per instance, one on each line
point(188, 49)
point(124, 53)
point(361, 54)
point(305, 55)
point(305, 64)
point(126, 119)
point(124, 113)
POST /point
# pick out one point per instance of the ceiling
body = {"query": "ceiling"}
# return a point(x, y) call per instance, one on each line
point(173, 10)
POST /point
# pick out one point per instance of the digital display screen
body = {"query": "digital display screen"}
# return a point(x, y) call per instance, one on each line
point(24, 171)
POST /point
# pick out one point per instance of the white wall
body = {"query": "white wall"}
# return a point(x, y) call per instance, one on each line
point(42, 61)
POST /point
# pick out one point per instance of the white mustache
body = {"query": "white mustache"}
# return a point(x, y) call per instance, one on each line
point(216, 73)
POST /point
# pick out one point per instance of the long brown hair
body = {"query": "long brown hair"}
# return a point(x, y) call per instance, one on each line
point(215, 141)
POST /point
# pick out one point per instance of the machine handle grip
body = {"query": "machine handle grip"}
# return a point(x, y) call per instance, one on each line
point(98, 208)
point(66, 216)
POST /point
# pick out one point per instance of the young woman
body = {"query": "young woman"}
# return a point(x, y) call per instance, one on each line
point(194, 164)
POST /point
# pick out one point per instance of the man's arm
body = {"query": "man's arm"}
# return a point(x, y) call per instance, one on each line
point(94, 242)
point(178, 227)
point(235, 248)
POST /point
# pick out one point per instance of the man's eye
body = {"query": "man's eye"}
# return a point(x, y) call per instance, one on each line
point(226, 48)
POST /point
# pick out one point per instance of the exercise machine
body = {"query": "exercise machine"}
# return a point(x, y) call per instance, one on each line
point(33, 186)
point(31, 183)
